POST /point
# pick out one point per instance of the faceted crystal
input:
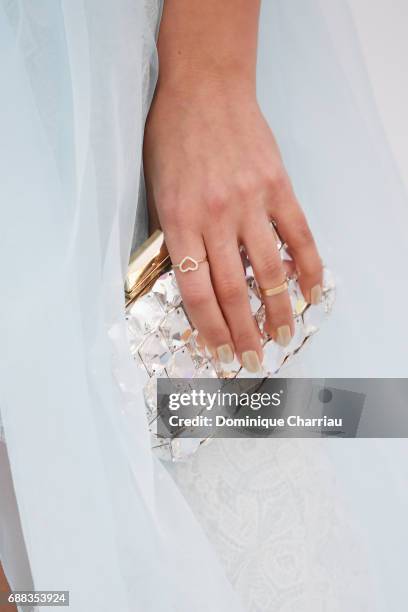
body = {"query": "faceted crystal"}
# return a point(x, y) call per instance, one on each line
point(296, 298)
point(249, 272)
point(274, 356)
point(298, 336)
point(207, 370)
point(176, 328)
point(299, 333)
point(154, 353)
point(145, 373)
point(181, 365)
point(183, 448)
point(227, 370)
point(253, 295)
point(144, 314)
point(275, 235)
point(180, 385)
point(167, 291)
point(244, 258)
point(135, 334)
point(285, 255)
point(197, 352)
point(150, 394)
point(329, 290)
point(162, 448)
point(328, 280)
point(260, 318)
point(313, 318)
point(328, 299)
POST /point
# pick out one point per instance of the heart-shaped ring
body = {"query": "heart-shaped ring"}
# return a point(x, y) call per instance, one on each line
point(189, 264)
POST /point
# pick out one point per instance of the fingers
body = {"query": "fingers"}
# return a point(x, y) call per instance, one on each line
point(198, 294)
point(231, 291)
point(270, 272)
point(215, 294)
point(294, 230)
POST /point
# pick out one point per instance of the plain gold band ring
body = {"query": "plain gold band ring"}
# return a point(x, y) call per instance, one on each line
point(189, 264)
point(275, 290)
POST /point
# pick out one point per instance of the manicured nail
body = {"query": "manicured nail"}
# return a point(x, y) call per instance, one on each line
point(225, 353)
point(316, 295)
point(283, 336)
point(251, 361)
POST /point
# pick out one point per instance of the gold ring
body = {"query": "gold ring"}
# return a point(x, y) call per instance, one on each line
point(275, 290)
point(189, 264)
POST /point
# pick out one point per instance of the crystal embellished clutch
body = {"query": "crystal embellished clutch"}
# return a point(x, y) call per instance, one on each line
point(163, 341)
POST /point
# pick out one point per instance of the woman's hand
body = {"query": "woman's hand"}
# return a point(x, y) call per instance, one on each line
point(216, 179)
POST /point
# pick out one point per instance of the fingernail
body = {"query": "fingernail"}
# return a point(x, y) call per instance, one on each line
point(316, 295)
point(251, 361)
point(283, 336)
point(225, 353)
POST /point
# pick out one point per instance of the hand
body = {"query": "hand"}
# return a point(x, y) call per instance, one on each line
point(216, 179)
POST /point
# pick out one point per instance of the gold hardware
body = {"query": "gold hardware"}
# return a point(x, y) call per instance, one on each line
point(146, 264)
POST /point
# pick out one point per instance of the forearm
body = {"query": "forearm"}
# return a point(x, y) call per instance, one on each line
point(205, 42)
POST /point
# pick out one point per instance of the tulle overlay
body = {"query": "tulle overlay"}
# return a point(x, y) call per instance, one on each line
point(297, 525)
point(99, 517)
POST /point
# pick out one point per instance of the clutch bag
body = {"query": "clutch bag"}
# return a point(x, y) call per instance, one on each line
point(163, 341)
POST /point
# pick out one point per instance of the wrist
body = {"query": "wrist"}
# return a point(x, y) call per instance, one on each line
point(197, 83)
point(208, 49)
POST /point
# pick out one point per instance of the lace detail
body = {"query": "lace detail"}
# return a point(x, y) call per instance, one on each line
point(277, 521)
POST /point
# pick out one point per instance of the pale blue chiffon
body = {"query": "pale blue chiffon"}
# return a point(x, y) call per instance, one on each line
point(98, 515)
point(316, 93)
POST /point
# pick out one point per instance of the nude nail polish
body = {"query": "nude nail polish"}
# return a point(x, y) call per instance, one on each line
point(225, 353)
point(251, 361)
point(316, 295)
point(283, 335)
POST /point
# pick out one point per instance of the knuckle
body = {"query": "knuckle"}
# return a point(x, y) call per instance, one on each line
point(196, 296)
point(230, 291)
point(248, 186)
point(217, 205)
point(277, 179)
point(272, 268)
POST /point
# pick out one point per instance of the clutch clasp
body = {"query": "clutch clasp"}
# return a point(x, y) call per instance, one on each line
point(146, 264)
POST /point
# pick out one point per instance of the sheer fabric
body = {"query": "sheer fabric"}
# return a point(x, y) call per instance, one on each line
point(99, 516)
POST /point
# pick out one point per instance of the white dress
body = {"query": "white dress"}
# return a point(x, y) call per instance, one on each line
point(291, 525)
